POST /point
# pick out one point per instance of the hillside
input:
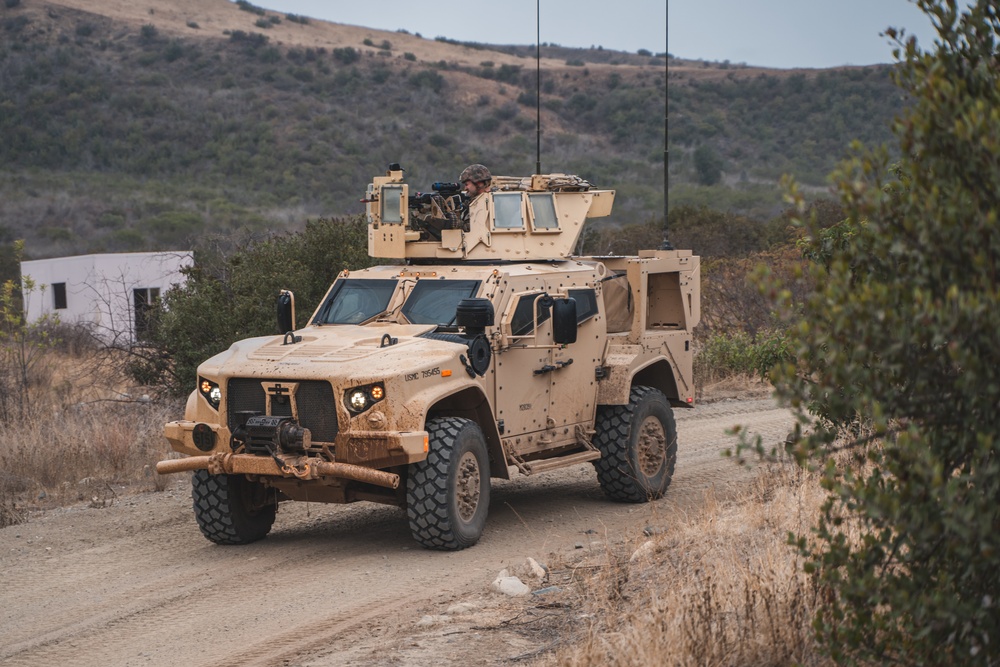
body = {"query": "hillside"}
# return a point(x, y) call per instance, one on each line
point(149, 125)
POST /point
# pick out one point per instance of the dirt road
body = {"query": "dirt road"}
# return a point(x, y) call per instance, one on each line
point(137, 584)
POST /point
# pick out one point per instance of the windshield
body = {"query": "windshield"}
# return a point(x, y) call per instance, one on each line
point(435, 301)
point(354, 301)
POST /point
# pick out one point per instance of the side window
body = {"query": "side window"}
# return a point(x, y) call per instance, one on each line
point(586, 304)
point(392, 207)
point(543, 211)
point(523, 322)
point(507, 211)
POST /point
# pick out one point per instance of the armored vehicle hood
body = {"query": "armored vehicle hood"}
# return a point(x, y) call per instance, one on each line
point(373, 351)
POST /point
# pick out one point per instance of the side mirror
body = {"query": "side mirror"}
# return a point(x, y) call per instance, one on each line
point(474, 315)
point(286, 312)
point(564, 321)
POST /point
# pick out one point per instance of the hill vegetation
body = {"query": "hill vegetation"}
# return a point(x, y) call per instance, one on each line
point(142, 132)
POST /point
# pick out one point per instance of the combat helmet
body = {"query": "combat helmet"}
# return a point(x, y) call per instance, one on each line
point(476, 173)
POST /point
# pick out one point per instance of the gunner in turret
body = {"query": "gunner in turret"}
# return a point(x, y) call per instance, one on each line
point(476, 179)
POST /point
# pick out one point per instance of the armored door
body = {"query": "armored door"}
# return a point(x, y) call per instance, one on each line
point(522, 386)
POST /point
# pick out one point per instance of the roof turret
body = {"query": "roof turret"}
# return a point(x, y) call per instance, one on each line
point(521, 218)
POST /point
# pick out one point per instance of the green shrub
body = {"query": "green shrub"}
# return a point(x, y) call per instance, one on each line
point(507, 111)
point(174, 51)
point(346, 55)
point(248, 7)
point(111, 220)
point(488, 124)
point(254, 40)
point(707, 165)
point(723, 355)
point(173, 225)
point(428, 79)
point(17, 24)
point(270, 55)
point(508, 73)
point(898, 364)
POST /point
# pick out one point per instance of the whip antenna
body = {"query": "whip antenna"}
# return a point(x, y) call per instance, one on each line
point(538, 86)
point(666, 245)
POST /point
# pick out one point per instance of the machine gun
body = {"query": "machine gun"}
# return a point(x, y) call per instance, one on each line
point(438, 210)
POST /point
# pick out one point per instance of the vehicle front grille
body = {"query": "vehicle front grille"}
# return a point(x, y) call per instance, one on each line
point(314, 398)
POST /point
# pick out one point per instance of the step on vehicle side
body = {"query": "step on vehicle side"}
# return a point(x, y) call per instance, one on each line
point(491, 351)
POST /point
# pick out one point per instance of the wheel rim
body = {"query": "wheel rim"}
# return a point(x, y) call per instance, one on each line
point(467, 486)
point(652, 447)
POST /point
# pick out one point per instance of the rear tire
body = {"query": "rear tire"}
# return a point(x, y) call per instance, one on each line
point(231, 509)
point(448, 493)
point(638, 444)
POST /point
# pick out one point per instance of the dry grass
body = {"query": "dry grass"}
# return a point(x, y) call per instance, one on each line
point(81, 437)
point(720, 588)
point(57, 454)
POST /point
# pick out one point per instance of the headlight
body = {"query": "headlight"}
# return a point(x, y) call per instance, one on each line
point(359, 399)
point(210, 390)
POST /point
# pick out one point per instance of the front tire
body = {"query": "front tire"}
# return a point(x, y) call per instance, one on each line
point(231, 509)
point(448, 493)
point(638, 444)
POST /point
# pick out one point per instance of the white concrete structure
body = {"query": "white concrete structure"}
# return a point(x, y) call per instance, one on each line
point(110, 292)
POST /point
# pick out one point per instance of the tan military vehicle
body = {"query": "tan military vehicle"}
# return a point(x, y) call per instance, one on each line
point(491, 351)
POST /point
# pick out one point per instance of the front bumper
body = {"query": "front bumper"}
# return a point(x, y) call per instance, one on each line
point(299, 467)
point(366, 450)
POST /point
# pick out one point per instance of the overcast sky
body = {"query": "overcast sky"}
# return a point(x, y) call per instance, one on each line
point(769, 33)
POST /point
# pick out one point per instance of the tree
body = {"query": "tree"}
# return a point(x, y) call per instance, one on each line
point(23, 345)
point(228, 298)
point(708, 165)
point(897, 354)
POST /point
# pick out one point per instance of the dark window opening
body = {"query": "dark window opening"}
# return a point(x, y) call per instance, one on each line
point(146, 300)
point(59, 295)
point(523, 322)
point(586, 304)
